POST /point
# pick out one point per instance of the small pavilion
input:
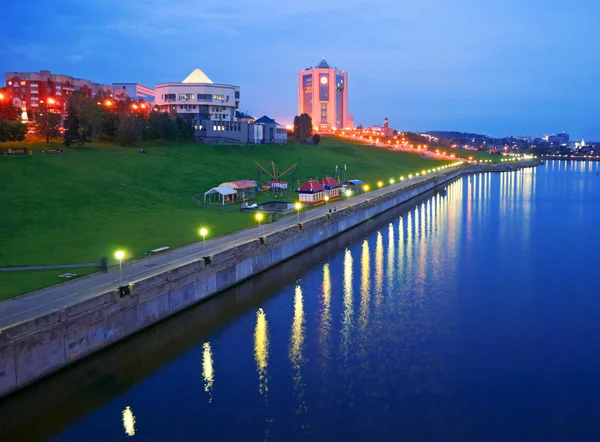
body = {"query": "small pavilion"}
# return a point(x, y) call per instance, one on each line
point(312, 192)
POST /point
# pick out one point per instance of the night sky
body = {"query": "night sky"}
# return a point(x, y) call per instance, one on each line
point(519, 67)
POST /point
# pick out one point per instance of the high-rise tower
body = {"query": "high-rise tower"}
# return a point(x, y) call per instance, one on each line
point(323, 94)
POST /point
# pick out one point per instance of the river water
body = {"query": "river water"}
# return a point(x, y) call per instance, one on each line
point(472, 314)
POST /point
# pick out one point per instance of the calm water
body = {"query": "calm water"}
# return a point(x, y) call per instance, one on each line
point(473, 316)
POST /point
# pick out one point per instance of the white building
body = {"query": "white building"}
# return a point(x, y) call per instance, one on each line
point(198, 99)
point(136, 91)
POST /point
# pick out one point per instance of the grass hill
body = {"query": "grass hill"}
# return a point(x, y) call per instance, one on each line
point(85, 204)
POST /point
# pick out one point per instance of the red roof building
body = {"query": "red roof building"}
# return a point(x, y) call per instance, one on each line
point(331, 187)
point(311, 192)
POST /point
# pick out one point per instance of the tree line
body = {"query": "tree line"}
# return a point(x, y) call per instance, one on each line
point(303, 129)
point(130, 127)
point(100, 117)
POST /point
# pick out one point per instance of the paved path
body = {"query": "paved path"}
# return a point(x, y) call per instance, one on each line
point(54, 298)
point(51, 267)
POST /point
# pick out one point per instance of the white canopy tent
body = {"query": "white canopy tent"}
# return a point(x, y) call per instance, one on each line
point(223, 191)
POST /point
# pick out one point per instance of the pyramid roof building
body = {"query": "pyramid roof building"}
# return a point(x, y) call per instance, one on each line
point(197, 76)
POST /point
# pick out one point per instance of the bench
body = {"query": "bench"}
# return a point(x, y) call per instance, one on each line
point(52, 151)
point(160, 249)
point(16, 151)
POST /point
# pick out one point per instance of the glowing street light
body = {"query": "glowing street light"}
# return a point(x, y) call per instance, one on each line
point(134, 106)
point(326, 200)
point(1, 96)
point(203, 232)
point(51, 101)
point(348, 193)
point(119, 254)
point(401, 178)
point(392, 181)
point(108, 103)
point(298, 206)
point(259, 217)
point(366, 188)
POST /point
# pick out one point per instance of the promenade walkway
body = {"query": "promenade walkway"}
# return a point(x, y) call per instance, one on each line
point(54, 298)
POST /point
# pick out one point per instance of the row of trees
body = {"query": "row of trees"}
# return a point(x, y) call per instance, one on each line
point(86, 119)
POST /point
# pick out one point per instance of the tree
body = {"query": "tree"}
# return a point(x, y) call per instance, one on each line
point(12, 131)
point(83, 119)
point(185, 128)
point(316, 138)
point(47, 124)
point(8, 110)
point(109, 123)
point(130, 130)
point(155, 129)
point(302, 127)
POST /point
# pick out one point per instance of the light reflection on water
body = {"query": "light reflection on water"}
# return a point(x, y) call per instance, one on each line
point(443, 324)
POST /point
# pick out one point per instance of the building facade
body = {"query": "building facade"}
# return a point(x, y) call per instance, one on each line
point(198, 99)
point(273, 132)
point(323, 94)
point(29, 90)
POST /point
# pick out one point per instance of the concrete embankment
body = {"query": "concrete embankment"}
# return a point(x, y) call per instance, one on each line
point(37, 347)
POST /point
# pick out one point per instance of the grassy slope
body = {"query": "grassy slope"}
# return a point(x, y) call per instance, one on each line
point(83, 205)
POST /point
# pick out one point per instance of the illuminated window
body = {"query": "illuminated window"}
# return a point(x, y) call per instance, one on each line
point(23, 83)
point(186, 96)
point(323, 114)
point(218, 97)
point(323, 87)
point(10, 83)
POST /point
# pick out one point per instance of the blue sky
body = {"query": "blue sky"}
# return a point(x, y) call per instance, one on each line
point(521, 67)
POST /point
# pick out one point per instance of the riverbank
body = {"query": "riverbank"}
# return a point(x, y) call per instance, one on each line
point(47, 330)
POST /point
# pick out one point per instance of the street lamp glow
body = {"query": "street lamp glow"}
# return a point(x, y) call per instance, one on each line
point(392, 181)
point(203, 233)
point(51, 101)
point(348, 193)
point(119, 254)
point(298, 206)
point(108, 103)
point(401, 178)
point(380, 184)
point(326, 198)
point(366, 188)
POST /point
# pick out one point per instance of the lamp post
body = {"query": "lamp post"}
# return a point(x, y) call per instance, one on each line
point(298, 206)
point(348, 193)
point(326, 200)
point(366, 188)
point(380, 185)
point(259, 218)
point(119, 254)
point(203, 233)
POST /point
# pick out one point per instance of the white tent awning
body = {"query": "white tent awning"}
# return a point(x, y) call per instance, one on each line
point(221, 190)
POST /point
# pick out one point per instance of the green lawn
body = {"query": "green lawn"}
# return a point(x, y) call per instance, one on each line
point(85, 204)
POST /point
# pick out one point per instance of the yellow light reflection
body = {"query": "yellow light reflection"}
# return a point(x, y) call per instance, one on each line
point(326, 311)
point(261, 350)
point(297, 339)
point(378, 269)
point(128, 421)
point(365, 285)
point(348, 309)
point(207, 370)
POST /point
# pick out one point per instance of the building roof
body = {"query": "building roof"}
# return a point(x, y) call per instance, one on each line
point(197, 76)
point(241, 184)
point(265, 120)
point(330, 183)
point(311, 186)
point(323, 65)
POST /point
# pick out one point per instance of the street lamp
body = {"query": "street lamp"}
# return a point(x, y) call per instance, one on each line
point(348, 193)
point(119, 254)
point(298, 206)
point(380, 184)
point(326, 200)
point(366, 188)
point(203, 233)
point(392, 181)
point(259, 218)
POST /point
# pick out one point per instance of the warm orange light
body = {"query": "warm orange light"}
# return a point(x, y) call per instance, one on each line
point(108, 103)
point(1, 96)
point(143, 106)
point(51, 101)
point(135, 106)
